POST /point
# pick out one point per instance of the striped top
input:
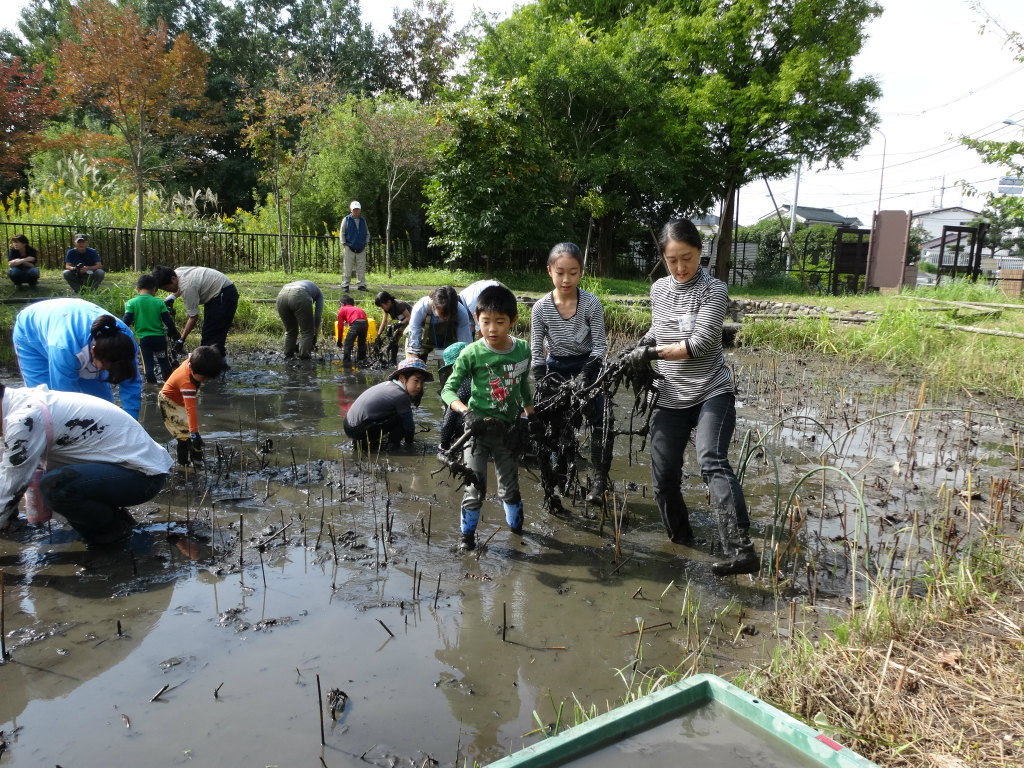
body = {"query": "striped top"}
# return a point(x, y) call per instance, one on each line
point(692, 312)
point(581, 334)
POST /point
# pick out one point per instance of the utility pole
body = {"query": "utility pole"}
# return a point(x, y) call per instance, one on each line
point(792, 213)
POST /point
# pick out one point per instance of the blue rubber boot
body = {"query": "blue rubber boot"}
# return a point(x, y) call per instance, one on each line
point(514, 515)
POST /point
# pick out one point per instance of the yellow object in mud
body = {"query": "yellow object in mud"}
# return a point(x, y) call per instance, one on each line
point(371, 331)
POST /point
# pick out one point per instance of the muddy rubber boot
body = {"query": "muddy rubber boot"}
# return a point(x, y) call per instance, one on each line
point(596, 495)
point(740, 556)
point(184, 452)
point(468, 541)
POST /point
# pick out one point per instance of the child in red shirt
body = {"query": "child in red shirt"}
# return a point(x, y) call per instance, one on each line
point(355, 318)
point(178, 401)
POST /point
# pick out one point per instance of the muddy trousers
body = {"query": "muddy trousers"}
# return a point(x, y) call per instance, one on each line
point(295, 308)
point(356, 337)
point(492, 444)
point(88, 495)
point(711, 423)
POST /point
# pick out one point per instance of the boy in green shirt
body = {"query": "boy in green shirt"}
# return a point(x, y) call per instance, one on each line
point(498, 367)
point(150, 317)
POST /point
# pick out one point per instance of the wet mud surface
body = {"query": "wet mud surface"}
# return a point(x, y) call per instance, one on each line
point(186, 647)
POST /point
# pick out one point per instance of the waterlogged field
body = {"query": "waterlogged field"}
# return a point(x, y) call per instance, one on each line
point(292, 573)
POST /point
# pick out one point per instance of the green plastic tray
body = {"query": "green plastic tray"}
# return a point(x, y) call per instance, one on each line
point(814, 747)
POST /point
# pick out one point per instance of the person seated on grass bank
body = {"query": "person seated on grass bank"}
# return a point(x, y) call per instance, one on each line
point(72, 345)
point(82, 266)
point(498, 366)
point(300, 305)
point(695, 397)
point(382, 415)
point(358, 326)
point(178, 400)
point(437, 320)
point(207, 287)
point(22, 263)
point(98, 460)
point(153, 323)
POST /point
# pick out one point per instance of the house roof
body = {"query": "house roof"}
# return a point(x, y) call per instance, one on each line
point(933, 211)
point(818, 216)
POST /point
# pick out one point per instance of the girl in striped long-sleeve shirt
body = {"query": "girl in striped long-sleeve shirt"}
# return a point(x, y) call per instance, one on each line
point(567, 338)
point(695, 396)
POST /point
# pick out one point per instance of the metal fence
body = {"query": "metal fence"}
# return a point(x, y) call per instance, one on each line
point(226, 251)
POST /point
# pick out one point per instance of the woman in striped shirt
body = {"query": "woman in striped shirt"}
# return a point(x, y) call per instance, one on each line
point(567, 339)
point(695, 395)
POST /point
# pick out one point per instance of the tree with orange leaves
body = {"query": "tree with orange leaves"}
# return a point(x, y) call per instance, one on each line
point(148, 87)
point(26, 103)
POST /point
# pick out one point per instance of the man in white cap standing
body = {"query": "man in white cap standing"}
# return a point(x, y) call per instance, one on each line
point(354, 237)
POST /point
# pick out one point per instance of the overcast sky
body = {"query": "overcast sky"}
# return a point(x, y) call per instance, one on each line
point(940, 78)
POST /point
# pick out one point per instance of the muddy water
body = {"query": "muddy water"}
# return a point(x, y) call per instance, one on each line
point(451, 665)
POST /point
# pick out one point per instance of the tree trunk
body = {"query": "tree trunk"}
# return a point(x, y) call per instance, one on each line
point(387, 231)
point(141, 192)
point(288, 241)
point(722, 260)
point(606, 245)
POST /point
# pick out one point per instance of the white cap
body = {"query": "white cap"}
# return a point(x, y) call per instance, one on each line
point(354, 204)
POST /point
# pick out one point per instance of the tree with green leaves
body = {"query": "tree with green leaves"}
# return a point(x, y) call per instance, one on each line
point(766, 83)
point(561, 125)
point(149, 87)
point(1005, 220)
point(421, 48)
point(282, 127)
point(402, 136)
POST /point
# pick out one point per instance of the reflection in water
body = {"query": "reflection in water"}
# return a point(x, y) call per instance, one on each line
point(445, 680)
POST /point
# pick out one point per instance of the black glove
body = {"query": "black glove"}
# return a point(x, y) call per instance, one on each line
point(591, 368)
point(539, 372)
point(535, 426)
point(642, 356)
point(195, 448)
point(473, 422)
point(169, 302)
point(178, 346)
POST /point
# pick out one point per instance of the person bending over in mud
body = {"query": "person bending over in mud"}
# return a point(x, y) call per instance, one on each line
point(695, 396)
point(436, 321)
point(498, 366)
point(567, 339)
point(178, 401)
point(382, 415)
point(98, 460)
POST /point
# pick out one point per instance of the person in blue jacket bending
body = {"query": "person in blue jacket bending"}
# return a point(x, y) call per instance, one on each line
point(72, 345)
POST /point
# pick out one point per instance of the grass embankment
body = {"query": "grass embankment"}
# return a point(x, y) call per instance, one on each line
point(936, 680)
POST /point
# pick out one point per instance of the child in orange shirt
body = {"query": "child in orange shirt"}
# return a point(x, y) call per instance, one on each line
point(178, 401)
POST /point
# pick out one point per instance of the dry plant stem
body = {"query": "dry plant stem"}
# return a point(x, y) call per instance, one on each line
point(3, 618)
point(385, 627)
point(483, 546)
point(437, 592)
point(157, 694)
point(320, 703)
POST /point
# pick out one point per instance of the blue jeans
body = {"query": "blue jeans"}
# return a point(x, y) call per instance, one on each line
point(87, 495)
point(154, 353)
point(23, 275)
point(712, 424)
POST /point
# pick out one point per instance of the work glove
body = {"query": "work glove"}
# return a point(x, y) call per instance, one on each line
point(169, 301)
point(539, 372)
point(641, 357)
point(195, 446)
point(178, 346)
point(535, 426)
point(591, 368)
point(474, 423)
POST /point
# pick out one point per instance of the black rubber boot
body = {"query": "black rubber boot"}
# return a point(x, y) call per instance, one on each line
point(184, 453)
point(744, 561)
point(596, 495)
point(468, 541)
